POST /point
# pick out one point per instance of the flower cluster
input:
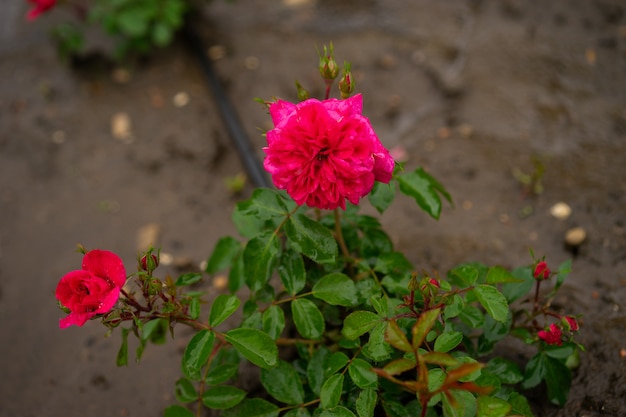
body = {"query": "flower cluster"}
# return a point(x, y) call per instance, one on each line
point(324, 152)
point(92, 290)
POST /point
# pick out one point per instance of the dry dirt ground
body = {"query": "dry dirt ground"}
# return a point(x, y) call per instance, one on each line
point(473, 90)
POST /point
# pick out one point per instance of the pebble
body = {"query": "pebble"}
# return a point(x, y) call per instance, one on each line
point(220, 282)
point(121, 127)
point(180, 99)
point(252, 63)
point(216, 52)
point(561, 210)
point(575, 237)
point(121, 75)
point(58, 137)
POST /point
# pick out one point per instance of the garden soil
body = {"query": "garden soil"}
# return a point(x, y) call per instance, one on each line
point(482, 94)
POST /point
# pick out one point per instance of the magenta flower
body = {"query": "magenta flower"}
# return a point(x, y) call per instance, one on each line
point(92, 290)
point(541, 271)
point(552, 336)
point(324, 152)
point(40, 6)
point(572, 323)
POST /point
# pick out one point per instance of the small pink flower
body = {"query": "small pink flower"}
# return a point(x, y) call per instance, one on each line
point(93, 290)
point(434, 282)
point(541, 271)
point(551, 336)
point(324, 152)
point(571, 321)
point(41, 6)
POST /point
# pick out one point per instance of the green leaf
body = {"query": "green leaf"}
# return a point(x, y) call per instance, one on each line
point(361, 374)
point(358, 323)
point(515, 290)
point(498, 274)
point(558, 379)
point(315, 370)
point(393, 263)
point(188, 279)
point(492, 407)
point(455, 307)
point(258, 259)
point(336, 289)
point(133, 22)
point(448, 341)
point(253, 407)
point(225, 252)
point(308, 318)
point(472, 316)
point(377, 348)
point(338, 411)
point(185, 391)
point(264, 204)
point(399, 366)
point(311, 239)
point(161, 34)
point(535, 371)
point(519, 405)
point(122, 354)
point(221, 373)
point(254, 345)
point(177, 411)
point(223, 306)
point(334, 363)
point(382, 195)
point(331, 391)
point(425, 190)
point(291, 272)
point(564, 269)
point(197, 353)
point(508, 371)
point(222, 397)
point(395, 409)
point(297, 412)
point(273, 321)
point(366, 402)
point(283, 383)
point(396, 337)
point(423, 325)
point(493, 301)
point(464, 275)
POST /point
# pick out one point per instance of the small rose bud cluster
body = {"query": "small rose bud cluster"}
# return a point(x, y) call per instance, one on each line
point(329, 69)
point(554, 334)
point(541, 271)
point(346, 83)
point(149, 261)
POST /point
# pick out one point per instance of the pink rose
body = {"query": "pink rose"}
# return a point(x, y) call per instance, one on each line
point(572, 323)
point(93, 290)
point(41, 6)
point(552, 336)
point(324, 152)
point(541, 271)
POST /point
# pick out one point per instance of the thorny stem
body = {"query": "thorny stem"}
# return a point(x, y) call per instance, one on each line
point(339, 235)
point(329, 84)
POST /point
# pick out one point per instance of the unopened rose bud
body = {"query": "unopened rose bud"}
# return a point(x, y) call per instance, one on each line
point(346, 84)
point(570, 322)
point(541, 271)
point(413, 284)
point(303, 94)
point(149, 264)
point(434, 282)
point(329, 69)
point(155, 286)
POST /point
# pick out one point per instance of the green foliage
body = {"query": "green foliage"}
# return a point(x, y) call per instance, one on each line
point(359, 332)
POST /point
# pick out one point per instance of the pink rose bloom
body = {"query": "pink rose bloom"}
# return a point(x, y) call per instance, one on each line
point(41, 6)
point(541, 271)
point(573, 324)
point(551, 336)
point(324, 152)
point(93, 290)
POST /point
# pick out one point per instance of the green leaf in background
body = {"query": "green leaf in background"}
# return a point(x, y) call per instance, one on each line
point(472, 316)
point(535, 371)
point(264, 204)
point(493, 301)
point(297, 412)
point(396, 337)
point(464, 275)
point(445, 342)
point(221, 373)
point(161, 34)
point(498, 275)
point(519, 405)
point(177, 411)
point(236, 277)
point(226, 250)
point(331, 391)
point(155, 331)
point(185, 391)
point(258, 259)
point(197, 353)
point(252, 407)
point(455, 307)
point(338, 411)
point(382, 195)
point(366, 402)
point(133, 22)
point(507, 370)
point(423, 325)
point(358, 323)
point(188, 279)
point(425, 190)
point(399, 366)
point(315, 369)
point(334, 363)
point(283, 383)
point(336, 289)
point(122, 354)
point(396, 409)
point(558, 379)
point(311, 239)
point(223, 306)
point(564, 269)
point(291, 272)
point(308, 318)
point(393, 263)
point(492, 407)
point(222, 397)
point(254, 345)
point(376, 348)
point(361, 373)
point(516, 290)
point(273, 321)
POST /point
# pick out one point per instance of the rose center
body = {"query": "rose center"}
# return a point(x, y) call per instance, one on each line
point(322, 155)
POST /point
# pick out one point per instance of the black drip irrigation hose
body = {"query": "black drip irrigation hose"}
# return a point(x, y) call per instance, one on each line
point(231, 121)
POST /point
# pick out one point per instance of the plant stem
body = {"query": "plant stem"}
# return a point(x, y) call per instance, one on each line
point(339, 235)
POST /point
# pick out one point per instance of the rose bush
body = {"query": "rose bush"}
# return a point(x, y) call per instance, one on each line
point(92, 290)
